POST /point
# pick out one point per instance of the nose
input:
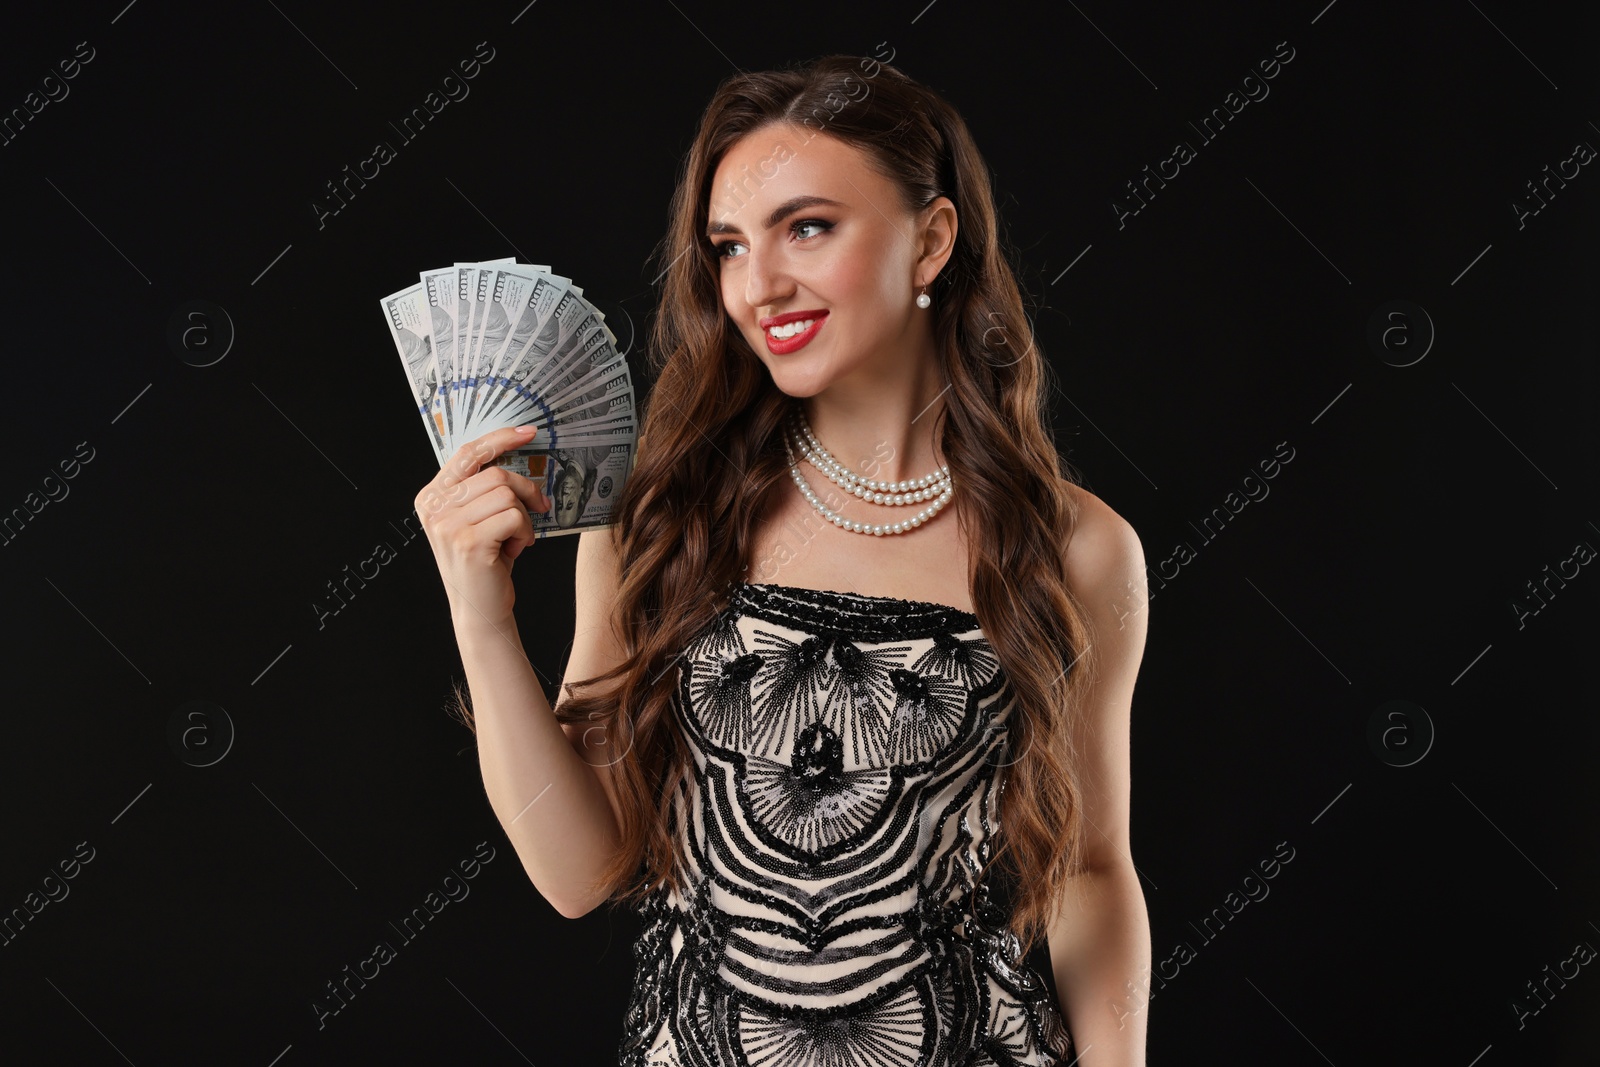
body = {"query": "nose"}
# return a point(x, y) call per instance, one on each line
point(766, 277)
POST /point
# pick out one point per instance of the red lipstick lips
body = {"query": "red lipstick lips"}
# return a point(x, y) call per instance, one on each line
point(783, 346)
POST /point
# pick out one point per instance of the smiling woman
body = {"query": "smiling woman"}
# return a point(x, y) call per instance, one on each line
point(817, 888)
point(818, 794)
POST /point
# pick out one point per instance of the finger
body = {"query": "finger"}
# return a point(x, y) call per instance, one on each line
point(476, 454)
point(530, 492)
point(504, 525)
point(435, 500)
point(523, 537)
point(525, 491)
point(492, 501)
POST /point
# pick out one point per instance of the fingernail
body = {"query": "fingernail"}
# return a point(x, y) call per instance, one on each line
point(523, 429)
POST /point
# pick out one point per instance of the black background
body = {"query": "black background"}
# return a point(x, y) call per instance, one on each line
point(1229, 315)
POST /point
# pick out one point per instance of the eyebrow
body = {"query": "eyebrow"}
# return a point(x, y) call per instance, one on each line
point(779, 213)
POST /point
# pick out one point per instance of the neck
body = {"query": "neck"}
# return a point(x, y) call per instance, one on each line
point(882, 436)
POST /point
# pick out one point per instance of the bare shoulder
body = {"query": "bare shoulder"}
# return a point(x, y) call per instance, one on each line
point(1105, 571)
point(1104, 557)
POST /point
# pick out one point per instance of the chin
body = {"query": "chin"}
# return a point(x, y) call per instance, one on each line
point(797, 382)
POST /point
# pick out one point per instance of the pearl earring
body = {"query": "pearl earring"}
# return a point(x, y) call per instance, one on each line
point(923, 299)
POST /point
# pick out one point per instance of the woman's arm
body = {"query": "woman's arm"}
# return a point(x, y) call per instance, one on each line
point(548, 784)
point(553, 800)
point(1100, 939)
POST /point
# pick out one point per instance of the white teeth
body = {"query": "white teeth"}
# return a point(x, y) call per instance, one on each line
point(778, 333)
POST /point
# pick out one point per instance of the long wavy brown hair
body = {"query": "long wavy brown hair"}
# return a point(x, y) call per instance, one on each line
point(684, 524)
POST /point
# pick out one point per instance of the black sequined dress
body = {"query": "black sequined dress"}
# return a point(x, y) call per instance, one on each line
point(849, 753)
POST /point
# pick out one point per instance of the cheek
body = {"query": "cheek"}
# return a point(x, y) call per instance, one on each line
point(864, 288)
point(863, 275)
point(733, 305)
point(730, 297)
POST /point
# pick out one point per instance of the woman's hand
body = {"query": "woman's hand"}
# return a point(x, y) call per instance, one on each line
point(476, 518)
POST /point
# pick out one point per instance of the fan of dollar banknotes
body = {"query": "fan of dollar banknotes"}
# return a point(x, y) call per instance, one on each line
point(500, 343)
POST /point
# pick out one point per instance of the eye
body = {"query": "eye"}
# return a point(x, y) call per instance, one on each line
point(823, 226)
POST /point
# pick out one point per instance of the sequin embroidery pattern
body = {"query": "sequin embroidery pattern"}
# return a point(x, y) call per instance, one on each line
point(849, 753)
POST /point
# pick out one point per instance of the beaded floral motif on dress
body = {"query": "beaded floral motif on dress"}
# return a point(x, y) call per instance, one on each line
point(848, 762)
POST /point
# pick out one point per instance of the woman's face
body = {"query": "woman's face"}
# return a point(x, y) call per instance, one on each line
point(809, 226)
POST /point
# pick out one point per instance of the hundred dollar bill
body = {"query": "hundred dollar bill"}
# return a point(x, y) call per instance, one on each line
point(406, 312)
point(585, 348)
point(613, 409)
point(462, 278)
point(603, 373)
point(555, 340)
point(564, 397)
point(504, 292)
point(479, 275)
point(575, 360)
point(442, 292)
point(582, 482)
point(486, 329)
point(467, 357)
point(534, 332)
point(477, 308)
point(499, 343)
point(603, 396)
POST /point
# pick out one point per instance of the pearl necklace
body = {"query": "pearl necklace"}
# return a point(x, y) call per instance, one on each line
point(899, 493)
point(895, 494)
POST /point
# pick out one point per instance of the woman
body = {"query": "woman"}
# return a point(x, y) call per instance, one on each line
point(798, 782)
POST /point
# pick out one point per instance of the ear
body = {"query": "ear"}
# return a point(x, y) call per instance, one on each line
point(937, 239)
